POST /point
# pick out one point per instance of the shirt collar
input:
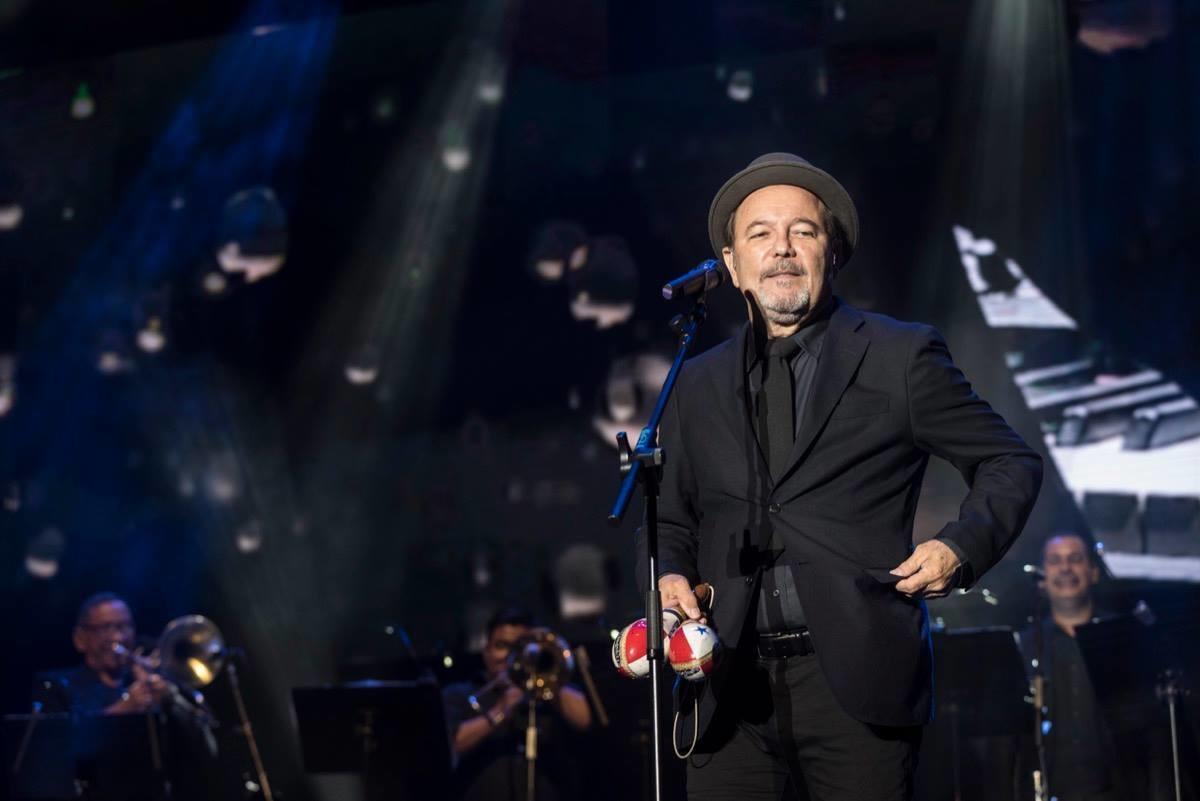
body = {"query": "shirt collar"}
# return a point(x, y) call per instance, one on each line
point(809, 338)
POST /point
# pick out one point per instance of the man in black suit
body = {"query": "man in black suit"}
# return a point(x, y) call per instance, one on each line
point(795, 454)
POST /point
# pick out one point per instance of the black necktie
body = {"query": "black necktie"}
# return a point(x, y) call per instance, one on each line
point(777, 406)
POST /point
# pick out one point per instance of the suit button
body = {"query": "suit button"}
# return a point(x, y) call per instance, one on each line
point(749, 580)
point(775, 508)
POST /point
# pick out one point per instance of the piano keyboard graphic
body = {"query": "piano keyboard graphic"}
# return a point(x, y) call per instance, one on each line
point(1124, 437)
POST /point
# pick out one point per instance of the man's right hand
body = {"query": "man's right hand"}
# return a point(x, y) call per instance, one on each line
point(675, 590)
point(137, 698)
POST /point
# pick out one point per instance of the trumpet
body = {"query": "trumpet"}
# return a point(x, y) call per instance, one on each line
point(540, 662)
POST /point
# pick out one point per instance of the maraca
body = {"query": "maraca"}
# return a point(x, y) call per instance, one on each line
point(693, 650)
point(629, 649)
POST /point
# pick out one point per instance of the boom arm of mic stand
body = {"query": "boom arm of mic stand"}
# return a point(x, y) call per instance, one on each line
point(641, 465)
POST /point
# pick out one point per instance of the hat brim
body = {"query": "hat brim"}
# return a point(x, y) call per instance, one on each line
point(791, 173)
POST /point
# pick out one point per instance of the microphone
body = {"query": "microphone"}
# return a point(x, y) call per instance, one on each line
point(709, 275)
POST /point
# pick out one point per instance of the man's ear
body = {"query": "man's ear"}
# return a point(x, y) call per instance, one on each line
point(77, 640)
point(727, 256)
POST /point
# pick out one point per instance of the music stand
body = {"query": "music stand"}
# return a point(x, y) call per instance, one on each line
point(97, 757)
point(37, 757)
point(980, 682)
point(393, 733)
point(1135, 665)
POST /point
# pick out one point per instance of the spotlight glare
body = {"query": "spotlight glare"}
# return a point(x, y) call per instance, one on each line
point(255, 267)
point(214, 283)
point(550, 269)
point(741, 86)
point(83, 105)
point(447, 661)
point(491, 91)
point(456, 157)
point(44, 552)
point(250, 537)
point(361, 376)
point(151, 339)
point(11, 216)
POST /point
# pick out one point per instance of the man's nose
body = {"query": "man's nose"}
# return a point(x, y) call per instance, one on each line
point(783, 246)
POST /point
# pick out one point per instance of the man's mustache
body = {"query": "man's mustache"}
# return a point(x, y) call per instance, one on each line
point(784, 268)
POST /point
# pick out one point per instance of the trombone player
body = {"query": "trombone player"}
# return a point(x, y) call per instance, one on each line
point(487, 726)
point(108, 682)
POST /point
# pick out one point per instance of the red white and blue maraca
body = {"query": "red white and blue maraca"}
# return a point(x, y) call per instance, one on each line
point(629, 648)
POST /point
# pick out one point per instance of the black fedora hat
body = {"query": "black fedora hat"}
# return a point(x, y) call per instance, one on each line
point(783, 168)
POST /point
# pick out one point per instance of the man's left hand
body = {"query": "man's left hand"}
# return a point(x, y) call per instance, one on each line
point(928, 572)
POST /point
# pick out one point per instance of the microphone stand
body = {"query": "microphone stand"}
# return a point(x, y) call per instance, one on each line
point(642, 466)
point(1041, 781)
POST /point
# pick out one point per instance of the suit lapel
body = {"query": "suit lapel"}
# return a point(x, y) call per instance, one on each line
point(841, 354)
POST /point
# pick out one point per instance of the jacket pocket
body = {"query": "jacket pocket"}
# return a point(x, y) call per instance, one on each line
point(861, 404)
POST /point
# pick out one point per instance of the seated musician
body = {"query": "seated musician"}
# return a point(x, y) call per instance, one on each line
point(487, 721)
point(108, 682)
point(1085, 758)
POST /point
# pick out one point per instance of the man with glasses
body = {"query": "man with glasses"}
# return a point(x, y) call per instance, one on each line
point(107, 682)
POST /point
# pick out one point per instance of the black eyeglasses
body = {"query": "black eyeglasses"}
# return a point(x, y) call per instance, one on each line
point(116, 627)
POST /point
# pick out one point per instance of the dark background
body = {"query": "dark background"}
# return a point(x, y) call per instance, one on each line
point(237, 473)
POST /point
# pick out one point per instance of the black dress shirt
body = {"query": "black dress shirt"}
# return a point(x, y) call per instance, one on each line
point(779, 606)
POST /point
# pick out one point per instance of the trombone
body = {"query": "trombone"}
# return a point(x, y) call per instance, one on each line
point(189, 655)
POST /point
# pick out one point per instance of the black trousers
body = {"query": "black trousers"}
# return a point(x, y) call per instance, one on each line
point(784, 736)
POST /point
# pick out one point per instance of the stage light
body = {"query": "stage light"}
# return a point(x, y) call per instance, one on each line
point(214, 283)
point(253, 234)
point(44, 552)
point(178, 202)
point(557, 245)
point(12, 497)
point(447, 661)
point(11, 215)
point(491, 91)
point(68, 213)
point(363, 366)
point(384, 108)
point(630, 392)
point(741, 85)
point(603, 289)
point(113, 356)
point(265, 30)
point(152, 338)
point(83, 105)
point(456, 157)
point(839, 11)
point(8, 383)
point(250, 537)
point(221, 481)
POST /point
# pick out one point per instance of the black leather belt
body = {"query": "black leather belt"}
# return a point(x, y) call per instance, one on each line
point(784, 644)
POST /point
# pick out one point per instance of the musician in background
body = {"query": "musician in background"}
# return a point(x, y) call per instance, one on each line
point(108, 682)
point(487, 723)
point(1085, 760)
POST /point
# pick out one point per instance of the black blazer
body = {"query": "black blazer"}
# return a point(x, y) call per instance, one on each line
point(886, 394)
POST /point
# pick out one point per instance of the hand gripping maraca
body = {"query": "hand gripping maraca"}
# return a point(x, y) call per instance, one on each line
point(696, 648)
